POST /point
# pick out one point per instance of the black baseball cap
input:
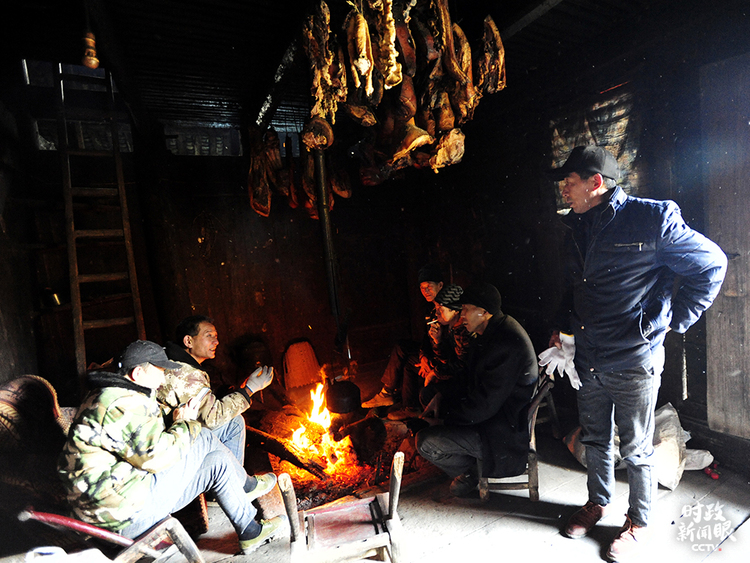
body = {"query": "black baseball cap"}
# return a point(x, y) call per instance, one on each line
point(142, 351)
point(590, 159)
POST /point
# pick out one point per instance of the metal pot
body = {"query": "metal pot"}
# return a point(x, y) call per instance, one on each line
point(343, 397)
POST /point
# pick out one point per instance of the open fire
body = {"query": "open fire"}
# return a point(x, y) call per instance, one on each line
point(337, 459)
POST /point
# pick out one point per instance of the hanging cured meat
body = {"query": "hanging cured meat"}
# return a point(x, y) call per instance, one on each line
point(449, 150)
point(317, 134)
point(384, 47)
point(411, 138)
point(258, 185)
point(325, 65)
point(490, 60)
point(405, 41)
point(404, 75)
point(463, 95)
point(450, 62)
point(359, 47)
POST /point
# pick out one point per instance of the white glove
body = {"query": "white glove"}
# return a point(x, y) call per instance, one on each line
point(569, 352)
point(259, 379)
point(554, 359)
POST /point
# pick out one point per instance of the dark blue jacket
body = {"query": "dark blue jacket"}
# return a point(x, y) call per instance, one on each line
point(620, 296)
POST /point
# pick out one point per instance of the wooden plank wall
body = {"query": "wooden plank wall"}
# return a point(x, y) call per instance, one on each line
point(265, 278)
point(726, 145)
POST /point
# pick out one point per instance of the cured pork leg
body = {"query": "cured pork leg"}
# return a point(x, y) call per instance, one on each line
point(490, 60)
point(384, 34)
point(359, 46)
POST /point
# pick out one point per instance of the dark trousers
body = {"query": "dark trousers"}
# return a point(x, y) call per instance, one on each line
point(402, 372)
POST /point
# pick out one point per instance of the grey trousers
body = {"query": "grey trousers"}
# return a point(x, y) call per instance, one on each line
point(454, 449)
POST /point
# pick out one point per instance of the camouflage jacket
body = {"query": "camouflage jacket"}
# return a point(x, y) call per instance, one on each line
point(185, 383)
point(116, 443)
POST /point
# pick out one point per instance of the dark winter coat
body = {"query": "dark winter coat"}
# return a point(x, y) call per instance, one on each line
point(501, 377)
point(621, 263)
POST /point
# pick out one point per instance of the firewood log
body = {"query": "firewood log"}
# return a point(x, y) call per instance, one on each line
point(285, 449)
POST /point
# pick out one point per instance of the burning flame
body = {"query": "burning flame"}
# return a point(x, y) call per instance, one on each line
point(338, 455)
point(319, 413)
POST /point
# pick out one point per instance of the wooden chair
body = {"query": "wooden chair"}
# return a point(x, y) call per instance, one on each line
point(351, 531)
point(159, 543)
point(530, 478)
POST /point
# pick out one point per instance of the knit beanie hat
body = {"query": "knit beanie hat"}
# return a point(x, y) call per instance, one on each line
point(449, 297)
point(483, 295)
point(430, 273)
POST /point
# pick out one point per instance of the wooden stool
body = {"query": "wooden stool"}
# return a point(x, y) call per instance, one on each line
point(355, 530)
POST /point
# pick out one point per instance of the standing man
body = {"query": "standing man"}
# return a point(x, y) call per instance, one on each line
point(488, 420)
point(622, 256)
point(125, 471)
point(406, 366)
point(195, 342)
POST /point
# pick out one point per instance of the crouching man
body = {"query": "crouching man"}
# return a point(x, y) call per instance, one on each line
point(487, 420)
point(125, 471)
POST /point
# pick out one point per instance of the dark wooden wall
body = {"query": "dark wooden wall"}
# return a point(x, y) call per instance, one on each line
point(265, 278)
point(492, 217)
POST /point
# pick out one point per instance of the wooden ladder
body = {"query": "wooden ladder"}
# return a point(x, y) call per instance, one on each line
point(102, 199)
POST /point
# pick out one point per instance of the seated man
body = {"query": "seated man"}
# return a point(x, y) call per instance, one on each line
point(449, 341)
point(125, 471)
point(488, 420)
point(195, 342)
point(405, 366)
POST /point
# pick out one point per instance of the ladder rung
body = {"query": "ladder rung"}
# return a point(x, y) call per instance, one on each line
point(94, 114)
point(95, 192)
point(82, 152)
point(84, 79)
point(92, 278)
point(105, 323)
point(99, 233)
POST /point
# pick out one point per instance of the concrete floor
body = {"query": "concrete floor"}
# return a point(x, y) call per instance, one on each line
point(440, 528)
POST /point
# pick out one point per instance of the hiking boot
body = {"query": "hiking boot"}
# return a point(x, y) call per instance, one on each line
point(382, 399)
point(629, 542)
point(266, 482)
point(405, 413)
point(580, 524)
point(464, 485)
point(269, 529)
